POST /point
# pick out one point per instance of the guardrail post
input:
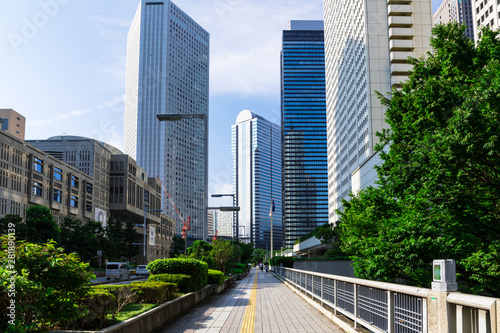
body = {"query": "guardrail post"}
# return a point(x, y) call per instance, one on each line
point(322, 288)
point(335, 297)
point(482, 321)
point(355, 306)
point(390, 312)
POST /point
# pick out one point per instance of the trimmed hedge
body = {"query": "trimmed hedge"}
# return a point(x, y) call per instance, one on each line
point(154, 291)
point(215, 277)
point(237, 271)
point(196, 268)
point(100, 303)
point(243, 267)
point(286, 261)
point(183, 281)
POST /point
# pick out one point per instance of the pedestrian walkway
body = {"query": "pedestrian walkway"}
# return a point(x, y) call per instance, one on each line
point(259, 303)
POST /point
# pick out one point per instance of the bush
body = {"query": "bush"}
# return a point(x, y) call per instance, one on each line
point(237, 271)
point(49, 284)
point(215, 277)
point(154, 291)
point(198, 270)
point(183, 281)
point(99, 303)
point(243, 267)
point(286, 261)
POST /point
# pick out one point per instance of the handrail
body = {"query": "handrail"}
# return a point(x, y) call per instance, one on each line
point(389, 307)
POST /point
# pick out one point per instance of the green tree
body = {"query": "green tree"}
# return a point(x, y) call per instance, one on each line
point(130, 236)
point(80, 237)
point(177, 246)
point(115, 244)
point(246, 250)
point(439, 183)
point(16, 220)
point(258, 256)
point(223, 252)
point(40, 225)
point(48, 285)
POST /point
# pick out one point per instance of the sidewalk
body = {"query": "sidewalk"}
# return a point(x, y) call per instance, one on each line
point(259, 303)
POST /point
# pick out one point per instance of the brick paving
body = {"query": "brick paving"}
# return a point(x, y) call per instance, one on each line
point(278, 310)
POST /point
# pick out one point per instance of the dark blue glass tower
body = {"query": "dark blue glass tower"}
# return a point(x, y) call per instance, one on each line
point(303, 122)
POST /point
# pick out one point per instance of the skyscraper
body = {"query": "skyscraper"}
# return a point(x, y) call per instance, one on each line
point(303, 130)
point(459, 11)
point(256, 150)
point(167, 72)
point(486, 13)
point(367, 43)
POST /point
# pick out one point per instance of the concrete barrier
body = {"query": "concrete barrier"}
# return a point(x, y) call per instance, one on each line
point(159, 316)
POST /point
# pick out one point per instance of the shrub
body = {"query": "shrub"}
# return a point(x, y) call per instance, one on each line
point(215, 277)
point(99, 303)
point(183, 281)
point(237, 271)
point(196, 268)
point(49, 284)
point(286, 261)
point(243, 267)
point(154, 291)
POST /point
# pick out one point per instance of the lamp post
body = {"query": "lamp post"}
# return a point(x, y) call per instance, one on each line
point(235, 214)
point(146, 210)
point(204, 117)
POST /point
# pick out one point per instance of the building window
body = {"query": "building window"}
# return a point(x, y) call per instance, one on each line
point(74, 201)
point(37, 165)
point(74, 181)
point(88, 206)
point(36, 189)
point(57, 196)
point(89, 188)
point(57, 174)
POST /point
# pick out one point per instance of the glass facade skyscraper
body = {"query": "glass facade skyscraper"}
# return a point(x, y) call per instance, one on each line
point(167, 72)
point(303, 123)
point(256, 150)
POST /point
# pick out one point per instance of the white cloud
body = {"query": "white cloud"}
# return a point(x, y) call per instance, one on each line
point(245, 40)
point(57, 118)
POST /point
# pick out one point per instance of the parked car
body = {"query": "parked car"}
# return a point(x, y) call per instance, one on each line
point(117, 270)
point(141, 270)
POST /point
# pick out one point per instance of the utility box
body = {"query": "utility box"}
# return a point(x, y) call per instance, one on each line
point(444, 275)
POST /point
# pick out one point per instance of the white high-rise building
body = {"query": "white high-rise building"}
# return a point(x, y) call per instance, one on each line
point(486, 13)
point(459, 11)
point(367, 43)
point(167, 72)
point(256, 149)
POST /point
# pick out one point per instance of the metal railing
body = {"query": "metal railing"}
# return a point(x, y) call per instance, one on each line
point(393, 308)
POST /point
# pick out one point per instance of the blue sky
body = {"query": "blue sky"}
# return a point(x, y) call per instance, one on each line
point(62, 66)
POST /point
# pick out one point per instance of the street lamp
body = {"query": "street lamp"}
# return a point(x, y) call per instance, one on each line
point(235, 214)
point(204, 117)
point(146, 210)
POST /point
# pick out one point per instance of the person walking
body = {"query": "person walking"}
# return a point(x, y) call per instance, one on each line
point(267, 267)
point(261, 266)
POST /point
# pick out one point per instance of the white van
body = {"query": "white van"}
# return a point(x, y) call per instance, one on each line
point(117, 270)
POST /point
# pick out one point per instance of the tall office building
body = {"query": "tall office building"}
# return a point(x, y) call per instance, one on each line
point(256, 150)
point(367, 43)
point(459, 11)
point(486, 13)
point(303, 130)
point(167, 72)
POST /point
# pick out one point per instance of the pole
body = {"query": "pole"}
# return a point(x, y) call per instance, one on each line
point(205, 196)
point(144, 229)
point(271, 233)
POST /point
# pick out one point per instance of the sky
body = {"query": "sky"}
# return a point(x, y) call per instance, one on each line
point(62, 66)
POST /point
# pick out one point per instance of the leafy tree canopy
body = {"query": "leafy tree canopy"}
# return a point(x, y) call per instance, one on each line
point(439, 182)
